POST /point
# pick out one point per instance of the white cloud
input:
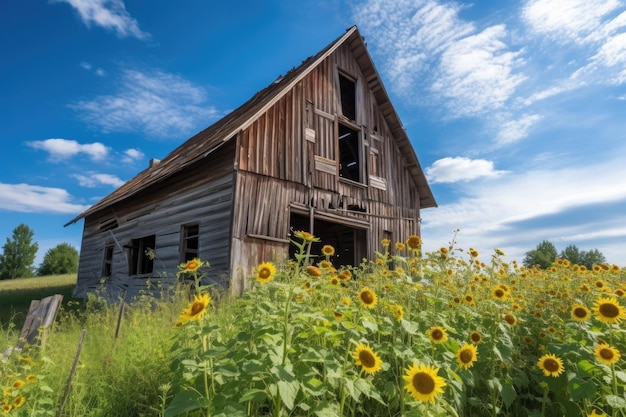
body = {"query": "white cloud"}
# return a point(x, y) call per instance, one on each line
point(132, 155)
point(456, 169)
point(515, 130)
point(476, 73)
point(108, 14)
point(162, 105)
point(89, 67)
point(489, 210)
point(568, 20)
point(60, 149)
point(26, 198)
point(94, 179)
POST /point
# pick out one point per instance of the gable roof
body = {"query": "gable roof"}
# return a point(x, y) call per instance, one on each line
point(212, 138)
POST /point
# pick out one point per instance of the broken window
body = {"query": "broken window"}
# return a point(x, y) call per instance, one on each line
point(107, 264)
point(189, 242)
point(347, 89)
point(141, 256)
point(349, 153)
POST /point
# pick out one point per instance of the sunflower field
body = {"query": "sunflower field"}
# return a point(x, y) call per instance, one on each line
point(445, 333)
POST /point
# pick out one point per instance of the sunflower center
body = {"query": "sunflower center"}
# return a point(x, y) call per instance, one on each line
point(423, 383)
point(437, 334)
point(499, 293)
point(367, 297)
point(580, 312)
point(265, 273)
point(196, 308)
point(475, 337)
point(551, 365)
point(469, 298)
point(606, 354)
point(466, 356)
point(367, 359)
point(609, 310)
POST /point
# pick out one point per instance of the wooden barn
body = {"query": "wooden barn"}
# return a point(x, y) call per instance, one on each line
point(320, 149)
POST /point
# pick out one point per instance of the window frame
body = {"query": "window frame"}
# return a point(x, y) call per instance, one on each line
point(139, 263)
point(185, 238)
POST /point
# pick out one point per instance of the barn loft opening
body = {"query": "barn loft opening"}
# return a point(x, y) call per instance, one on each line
point(349, 153)
point(347, 87)
point(349, 242)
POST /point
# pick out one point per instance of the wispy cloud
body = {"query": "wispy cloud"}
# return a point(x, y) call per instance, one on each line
point(131, 155)
point(94, 179)
point(514, 130)
point(160, 104)
point(108, 14)
point(457, 169)
point(61, 149)
point(26, 198)
point(89, 67)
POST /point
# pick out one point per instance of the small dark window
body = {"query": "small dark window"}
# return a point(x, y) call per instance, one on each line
point(107, 264)
point(189, 242)
point(141, 259)
point(349, 153)
point(348, 97)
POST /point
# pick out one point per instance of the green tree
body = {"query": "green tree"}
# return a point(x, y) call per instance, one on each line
point(572, 254)
point(592, 257)
point(543, 255)
point(18, 254)
point(62, 259)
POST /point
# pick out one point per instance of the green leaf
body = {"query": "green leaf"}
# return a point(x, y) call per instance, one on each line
point(616, 401)
point(254, 395)
point(508, 394)
point(580, 389)
point(288, 392)
point(185, 402)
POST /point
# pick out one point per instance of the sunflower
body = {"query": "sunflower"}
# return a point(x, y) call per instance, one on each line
point(475, 337)
point(346, 301)
point(437, 334)
point(313, 271)
point(608, 310)
point(325, 264)
point(368, 298)
point(385, 242)
point(510, 319)
point(265, 272)
point(334, 280)
point(399, 246)
point(580, 313)
point(196, 309)
point(338, 315)
point(423, 383)
point(19, 401)
point(191, 265)
point(467, 355)
point(6, 408)
point(414, 242)
point(18, 384)
point(607, 354)
point(305, 236)
point(328, 250)
point(31, 378)
point(593, 414)
point(499, 293)
point(473, 253)
point(367, 359)
point(397, 311)
point(551, 365)
point(345, 275)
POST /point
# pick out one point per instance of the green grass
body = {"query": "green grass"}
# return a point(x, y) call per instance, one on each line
point(16, 295)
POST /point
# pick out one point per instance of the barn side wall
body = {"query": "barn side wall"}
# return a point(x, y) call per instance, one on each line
point(203, 195)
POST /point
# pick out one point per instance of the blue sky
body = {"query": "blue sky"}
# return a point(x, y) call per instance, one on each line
point(516, 109)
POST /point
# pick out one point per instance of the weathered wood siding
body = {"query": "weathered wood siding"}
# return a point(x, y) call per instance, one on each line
point(289, 156)
point(203, 194)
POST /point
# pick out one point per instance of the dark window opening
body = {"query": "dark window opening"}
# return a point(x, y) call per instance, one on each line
point(141, 259)
point(350, 243)
point(107, 265)
point(189, 242)
point(348, 97)
point(349, 153)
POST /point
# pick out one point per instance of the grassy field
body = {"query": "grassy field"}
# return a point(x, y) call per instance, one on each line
point(16, 295)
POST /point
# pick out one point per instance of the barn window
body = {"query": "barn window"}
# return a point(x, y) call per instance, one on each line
point(189, 242)
point(349, 153)
point(107, 263)
point(141, 256)
point(347, 87)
